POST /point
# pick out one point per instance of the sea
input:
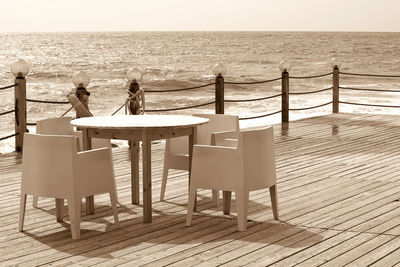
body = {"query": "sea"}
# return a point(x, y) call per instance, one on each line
point(174, 60)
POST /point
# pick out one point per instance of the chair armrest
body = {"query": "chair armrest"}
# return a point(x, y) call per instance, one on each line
point(218, 138)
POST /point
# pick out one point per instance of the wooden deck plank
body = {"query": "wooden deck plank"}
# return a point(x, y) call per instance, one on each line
point(338, 192)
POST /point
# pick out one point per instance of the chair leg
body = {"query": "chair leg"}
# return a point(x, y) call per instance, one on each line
point(242, 201)
point(74, 210)
point(113, 199)
point(164, 177)
point(35, 201)
point(192, 199)
point(215, 194)
point(274, 201)
point(59, 209)
point(22, 206)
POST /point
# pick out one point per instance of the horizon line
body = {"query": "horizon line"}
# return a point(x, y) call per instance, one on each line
point(158, 31)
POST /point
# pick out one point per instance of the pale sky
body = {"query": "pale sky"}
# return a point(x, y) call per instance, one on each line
point(199, 15)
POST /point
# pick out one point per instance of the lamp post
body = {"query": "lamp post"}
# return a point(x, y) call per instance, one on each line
point(81, 81)
point(335, 85)
point(219, 70)
point(20, 69)
point(284, 67)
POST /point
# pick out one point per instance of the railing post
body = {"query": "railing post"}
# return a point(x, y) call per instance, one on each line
point(81, 81)
point(83, 96)
point(219, 94)
point(335, 90)
point(285, 96)
point(133, 89)
point(20, 69)
point(20, 112)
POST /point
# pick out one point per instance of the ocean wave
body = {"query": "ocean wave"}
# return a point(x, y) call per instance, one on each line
point(50, 75)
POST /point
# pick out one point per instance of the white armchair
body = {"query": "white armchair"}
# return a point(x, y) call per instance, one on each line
point(176, 149)
point(248, 167)
point(52, 167)
point(63, 126)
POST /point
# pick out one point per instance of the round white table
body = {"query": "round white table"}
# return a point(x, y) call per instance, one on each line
point(136, 128)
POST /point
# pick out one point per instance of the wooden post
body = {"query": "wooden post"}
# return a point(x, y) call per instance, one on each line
point(20, 112)
point(335, 90)
point(134, 149)
point(219, 95)
point(134, 88)
point(83, 95)
point(285, 96)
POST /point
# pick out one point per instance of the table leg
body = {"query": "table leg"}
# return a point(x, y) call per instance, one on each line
point(87, 145)
point(146, 158)
point(227, 195)
point(134, 146)
point(192, 140)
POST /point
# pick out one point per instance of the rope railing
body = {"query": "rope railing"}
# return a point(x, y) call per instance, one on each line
point(298, 109)
point(31, 123)
point(180, 108)
point(8, 136)
point(65, 113)
point(370, 75)
point(369, 89)
point(8, 86)
point(7, 112)
point(47, 101)
point(255, 82)
point(369, 105)
point(260, 116)
point(180, 89)
point(115, 112)
point(252, 99)
point(312, 76)
point(310, 92)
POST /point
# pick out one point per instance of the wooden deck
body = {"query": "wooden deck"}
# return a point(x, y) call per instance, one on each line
point(338, 193)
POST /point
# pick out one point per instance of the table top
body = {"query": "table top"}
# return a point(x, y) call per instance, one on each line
point(138, 121)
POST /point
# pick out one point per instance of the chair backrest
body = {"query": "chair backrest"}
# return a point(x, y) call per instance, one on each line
point(48, 165)
point(258, 157)
point(217, 123)
point(57, 126)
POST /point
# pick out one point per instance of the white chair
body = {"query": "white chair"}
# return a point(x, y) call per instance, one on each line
point(52, 167)
point(248, 167)
point(176, 149)
point(63, 126)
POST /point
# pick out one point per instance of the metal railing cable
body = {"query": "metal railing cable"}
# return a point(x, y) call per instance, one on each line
point(180, 108)
point(8, 136)
point(47, 101)
point(252, 99)
point(260, 116)
point(298, 109)
point(369, 105)
point(310, 92)
point(180, 89)
point(7, 112)
point(255, 82)
point(8, 86)
point(368, 89)
point(311, 77)
point(370, 75)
